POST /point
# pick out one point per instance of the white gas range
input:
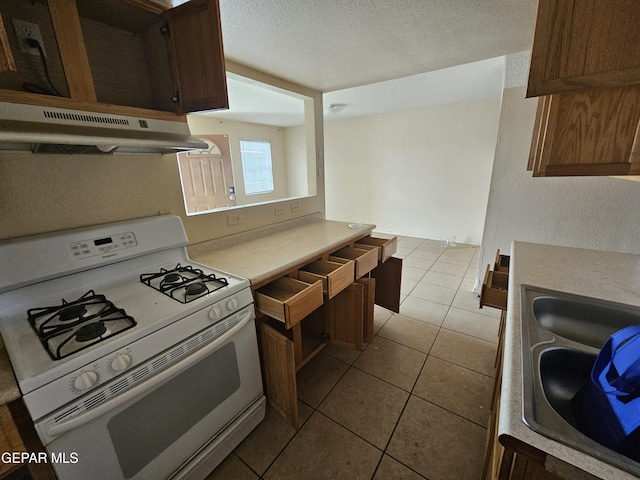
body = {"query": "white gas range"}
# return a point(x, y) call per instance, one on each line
point(108, 326)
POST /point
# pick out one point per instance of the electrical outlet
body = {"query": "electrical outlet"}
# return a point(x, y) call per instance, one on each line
point(295, 207)
point(233, 220)
point(24, 31)
point(279, 210)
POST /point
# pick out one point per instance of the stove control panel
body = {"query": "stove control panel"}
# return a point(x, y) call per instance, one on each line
point(102, 246)
point(229, 305)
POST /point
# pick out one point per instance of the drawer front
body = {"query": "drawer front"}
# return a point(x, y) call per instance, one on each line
point(365, 260)
point(494, 289)
point(386, 246)
point(334, 276)
point(288, 300)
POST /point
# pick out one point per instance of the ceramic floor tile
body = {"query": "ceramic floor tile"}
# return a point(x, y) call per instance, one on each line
point(365, 405)
point(232, 467)
point(438, 444)
point(380, 317)
point(469, 352)
point(442, 279)
point(391, 469)
point(345, 354)
point(411, 242)
point(402, 252)
point(412, 261)
point(391, 362)
point(461, 256)
point(456, 389)
point(424, 254)
point(471, 323)
point(318, 377)
point(468, 284)
point(471, 301)
point(406, 285)
point(449, 268)
point(413, 273)
point(322, 450)
point(432, 246)
point(435, 293)
point(410, 332)
point(267, 440)
point(424, 310)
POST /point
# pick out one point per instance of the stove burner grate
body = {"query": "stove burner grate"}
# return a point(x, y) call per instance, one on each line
point(73, 326)
point(183, 284)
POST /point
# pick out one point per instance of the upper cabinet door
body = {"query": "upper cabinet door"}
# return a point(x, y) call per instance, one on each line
point(581, 44)
point(194, 41)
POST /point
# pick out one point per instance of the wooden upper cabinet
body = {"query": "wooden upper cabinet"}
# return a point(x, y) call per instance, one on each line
point(580, 44)
point(128, 57)
point(198, 73)
point(590, 132)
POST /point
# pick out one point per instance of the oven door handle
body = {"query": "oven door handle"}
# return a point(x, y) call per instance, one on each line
point(137, 390)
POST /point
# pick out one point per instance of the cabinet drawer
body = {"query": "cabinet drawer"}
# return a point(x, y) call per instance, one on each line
point(288, 300)
point(385, 246)
point(494, 289)
point(334, 276)
point(365, 260)
point(501, 263)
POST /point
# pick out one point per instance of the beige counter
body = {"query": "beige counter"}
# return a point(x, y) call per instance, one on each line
point(264, 253)
point(608, 275)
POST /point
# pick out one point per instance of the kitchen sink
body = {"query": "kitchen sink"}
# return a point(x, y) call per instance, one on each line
point(562, 335)
point(586, 321)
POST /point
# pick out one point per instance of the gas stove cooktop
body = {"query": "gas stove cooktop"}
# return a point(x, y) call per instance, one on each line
point(75, 297)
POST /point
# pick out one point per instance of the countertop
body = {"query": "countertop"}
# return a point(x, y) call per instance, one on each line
point(262, 254)
point(607, 275)
point(8, 387)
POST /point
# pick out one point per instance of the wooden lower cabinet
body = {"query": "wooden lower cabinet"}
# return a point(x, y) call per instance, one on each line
point(503, 463)
point(344, 318)
point(17, 434)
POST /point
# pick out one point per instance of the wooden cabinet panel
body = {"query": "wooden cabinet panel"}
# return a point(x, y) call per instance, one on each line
point(581, 44)
point(200, 82)
point(388, 277)
point(279, 371)
point(111, 57)
point(66, 23)
point(592, 132)
point(368, 310)
point(7, 63)
point(344, 314)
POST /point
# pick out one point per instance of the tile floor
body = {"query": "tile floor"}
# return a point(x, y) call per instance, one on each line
point(414, 404)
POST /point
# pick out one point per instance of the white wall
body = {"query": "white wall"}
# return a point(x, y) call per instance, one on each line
point(422, 172)
point(588, 212)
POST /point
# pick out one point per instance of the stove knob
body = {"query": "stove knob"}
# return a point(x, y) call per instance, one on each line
point(86, 380)
point(121, 362)
point(232, 304)
point(215, 313)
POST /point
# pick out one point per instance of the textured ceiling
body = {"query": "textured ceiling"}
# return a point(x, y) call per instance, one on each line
point(335, 45)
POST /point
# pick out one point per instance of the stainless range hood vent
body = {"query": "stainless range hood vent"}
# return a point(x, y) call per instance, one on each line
point(56, 130)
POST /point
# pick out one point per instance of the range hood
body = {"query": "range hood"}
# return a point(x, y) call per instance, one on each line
point(56, 130)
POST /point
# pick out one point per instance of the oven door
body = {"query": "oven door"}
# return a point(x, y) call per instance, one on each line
point(171, 419)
